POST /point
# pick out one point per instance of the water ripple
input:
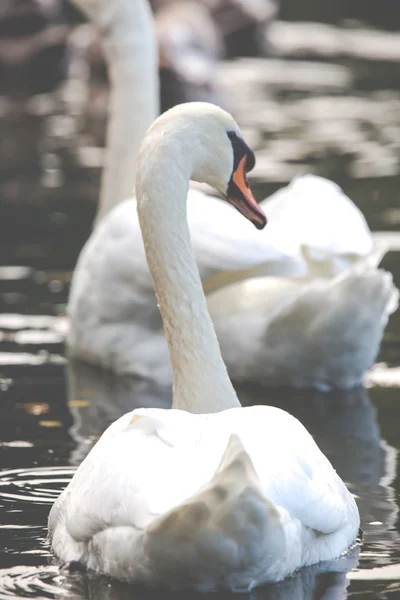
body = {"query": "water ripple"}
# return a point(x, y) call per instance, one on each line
point(31, 582)
point(41, 485)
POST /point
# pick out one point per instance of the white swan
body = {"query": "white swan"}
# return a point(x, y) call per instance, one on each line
point(229, 498)
point(321, 329)
point(315, 231)
point(112, 263)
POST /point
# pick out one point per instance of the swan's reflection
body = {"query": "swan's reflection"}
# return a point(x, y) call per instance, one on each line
point(344, 425)
point(97, 398)
point(326, 581)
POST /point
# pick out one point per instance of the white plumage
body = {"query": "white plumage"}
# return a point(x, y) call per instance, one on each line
point(315, 332)
point(232, 499)
point(315, 232)
point(321, 325)
point(227, 497)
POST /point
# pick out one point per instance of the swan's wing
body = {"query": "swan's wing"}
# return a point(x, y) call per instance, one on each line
point(111, 278)
point(326, 223)
point(138, 470)
point(112, 282)
point(293, 473)
point(323, 333)
point(223, 241)
point(112, 299)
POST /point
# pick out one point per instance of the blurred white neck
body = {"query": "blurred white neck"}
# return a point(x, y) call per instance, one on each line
point(129, 43)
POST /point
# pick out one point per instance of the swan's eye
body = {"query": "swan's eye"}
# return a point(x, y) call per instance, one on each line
point(241, 149)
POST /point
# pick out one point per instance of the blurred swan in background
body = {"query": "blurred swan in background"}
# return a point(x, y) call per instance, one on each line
point(190, 47)
point(315, 234)
point(193, 35)
point(113, 260)
point(203, 509)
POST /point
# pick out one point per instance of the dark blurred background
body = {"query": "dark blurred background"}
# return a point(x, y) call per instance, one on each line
point(314, 85)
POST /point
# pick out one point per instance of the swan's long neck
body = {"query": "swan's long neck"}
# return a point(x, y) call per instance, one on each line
point(201, 382)
point(129, 43)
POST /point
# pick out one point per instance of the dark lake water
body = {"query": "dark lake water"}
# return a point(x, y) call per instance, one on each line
point(301, 111)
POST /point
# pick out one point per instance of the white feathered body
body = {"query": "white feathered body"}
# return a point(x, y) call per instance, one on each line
point(317, 319)
point(231, 499)
point(114, 318)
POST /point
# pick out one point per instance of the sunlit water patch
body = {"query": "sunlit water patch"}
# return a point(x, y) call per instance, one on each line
point(40, 486)
point(25, 498)
point(21, 582)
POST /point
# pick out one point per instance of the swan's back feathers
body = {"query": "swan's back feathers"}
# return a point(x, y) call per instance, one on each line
point(216, 496)
point(322, 263)
point(112, 300)
point(223, 241)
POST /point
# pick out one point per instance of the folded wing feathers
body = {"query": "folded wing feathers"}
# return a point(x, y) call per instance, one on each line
point(220, 529)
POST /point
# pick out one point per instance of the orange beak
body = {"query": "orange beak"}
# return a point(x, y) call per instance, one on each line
point(241, 196)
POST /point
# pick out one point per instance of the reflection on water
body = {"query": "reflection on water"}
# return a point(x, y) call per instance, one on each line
point(321, 581)
point(333, 115)
point(97, 398)
point(31, 582)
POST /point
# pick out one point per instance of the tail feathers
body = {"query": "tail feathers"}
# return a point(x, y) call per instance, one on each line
point(373, 287)
point(219, 536)
point(374, 258)
point(392, 298)
point(322, 263)
point(330, 334)
point(358, 301)
point(236, 466)
point(393, 301)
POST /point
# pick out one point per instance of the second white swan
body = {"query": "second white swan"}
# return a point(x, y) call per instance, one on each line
point(315, 234)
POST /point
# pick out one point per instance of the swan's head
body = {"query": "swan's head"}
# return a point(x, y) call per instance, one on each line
point(211, 139)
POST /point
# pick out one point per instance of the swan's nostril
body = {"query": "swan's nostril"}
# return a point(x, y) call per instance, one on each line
point(250, 161)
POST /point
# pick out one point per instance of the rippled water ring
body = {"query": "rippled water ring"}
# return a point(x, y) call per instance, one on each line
point(41, 485)
point(31, 582)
